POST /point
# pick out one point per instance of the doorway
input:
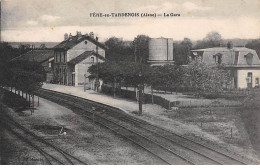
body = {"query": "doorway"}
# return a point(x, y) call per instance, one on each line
point(249, 79)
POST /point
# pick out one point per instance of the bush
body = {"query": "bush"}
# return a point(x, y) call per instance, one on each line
point(14, 101)
point(211, 95)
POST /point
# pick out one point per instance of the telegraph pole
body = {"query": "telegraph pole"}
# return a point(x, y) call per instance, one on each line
point(97, 78)
point(140, 94)
point(0, 20)
point(135, 52)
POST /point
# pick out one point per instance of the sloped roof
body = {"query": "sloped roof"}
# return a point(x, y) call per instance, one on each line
point(74, 40)
point(36, 55)
point(225, 49)
point(83, 56)
point(234, 56)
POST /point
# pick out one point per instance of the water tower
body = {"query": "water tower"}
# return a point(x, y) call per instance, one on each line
point(160, 51)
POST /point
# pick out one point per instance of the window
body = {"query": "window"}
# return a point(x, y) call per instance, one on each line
point(256, 81)
point(92, 60)
point(218, 58)
point(64, 56)
point(249, 79)
point(249, 58)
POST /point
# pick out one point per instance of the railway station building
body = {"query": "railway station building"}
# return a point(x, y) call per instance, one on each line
point(74, 55)
point(243, 63)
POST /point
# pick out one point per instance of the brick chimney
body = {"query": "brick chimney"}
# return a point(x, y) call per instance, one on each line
point(91, 34)
point(79, 34)
point(66, 36)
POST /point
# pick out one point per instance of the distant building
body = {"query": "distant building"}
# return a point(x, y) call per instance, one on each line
point(160, 51)
point(74, 56)
point(243, 63)
point(43, 56)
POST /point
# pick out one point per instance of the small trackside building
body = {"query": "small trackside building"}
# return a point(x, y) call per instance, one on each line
point(43, 56)
point(243, 63)
point(73, 57)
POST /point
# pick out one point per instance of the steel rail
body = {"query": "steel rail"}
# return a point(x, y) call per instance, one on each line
point(65, 154)
point(104, 119)
point(143, 122)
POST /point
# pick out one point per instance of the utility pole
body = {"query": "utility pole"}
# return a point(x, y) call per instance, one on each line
point(97, 78)
point(0, 20)
point(135, 53)
point(140, 94)
point(140, 100)
point(85, 81)
point(33, 103)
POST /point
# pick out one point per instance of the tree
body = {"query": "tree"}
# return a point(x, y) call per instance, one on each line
point(118, 50)
point(134, 73)
point(212, 39)
point(181, 51)
point(109, 72)
point(114, 48)
point(166, 78)
point(7, 52)
point(126, 73)
point(140, 46)
point(204, 79)
point(255, 45)
point(24, 75)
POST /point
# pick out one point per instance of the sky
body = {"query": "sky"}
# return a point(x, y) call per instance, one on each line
point(48, 20)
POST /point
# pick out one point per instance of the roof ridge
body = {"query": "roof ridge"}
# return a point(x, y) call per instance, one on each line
point(20, 56)
point(78, 58)
point(71, 42)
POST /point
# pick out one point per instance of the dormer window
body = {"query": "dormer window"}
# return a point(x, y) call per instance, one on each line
point(249, 58)
point(196, 56)
point(218, 58)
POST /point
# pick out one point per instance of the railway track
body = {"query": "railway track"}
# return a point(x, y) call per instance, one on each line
point(159, 151)
point(162, 143)
point(52, 154)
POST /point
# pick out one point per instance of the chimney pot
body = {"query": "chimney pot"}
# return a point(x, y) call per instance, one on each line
point(79, 34)
point(65, 36)
point(91, 34)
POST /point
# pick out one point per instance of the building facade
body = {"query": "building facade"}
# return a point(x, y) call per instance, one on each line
point(73, 57)
point(243, 63)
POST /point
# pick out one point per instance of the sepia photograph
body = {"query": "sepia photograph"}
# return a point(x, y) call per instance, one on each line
point(119, 82)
